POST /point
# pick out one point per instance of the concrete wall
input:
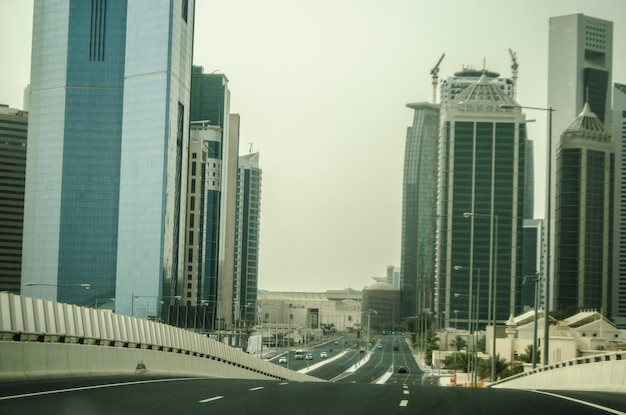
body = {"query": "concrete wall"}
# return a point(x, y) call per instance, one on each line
point(598, 373)
point(40, 338)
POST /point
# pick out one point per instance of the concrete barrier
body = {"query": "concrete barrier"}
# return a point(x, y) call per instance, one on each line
point(606, 372)
point(43, 339)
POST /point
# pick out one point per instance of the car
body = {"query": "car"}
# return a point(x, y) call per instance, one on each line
point(309, 356)
point(336, 342)
point(380, 345)
point(299, 354)
point(323, 355)
point(402, 369)
point(362, 350)
point(282, 359)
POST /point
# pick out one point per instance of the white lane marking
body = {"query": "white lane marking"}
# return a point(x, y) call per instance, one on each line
point(593, 405)
point(258, 388)
point(404, 402)
point(215, 398)
point(283, 383)
point(84, 388)
point(406, 391)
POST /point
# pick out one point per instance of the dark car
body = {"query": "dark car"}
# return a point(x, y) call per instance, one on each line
point(402, 369)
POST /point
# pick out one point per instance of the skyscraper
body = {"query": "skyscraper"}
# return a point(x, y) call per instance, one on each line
point(583, 273)
point(580, 61)
point(109, 110)
point(481, 198)
point(247, 236)
point(619, 139)
point(210, 105)
point(419, 209)
point(13, 128)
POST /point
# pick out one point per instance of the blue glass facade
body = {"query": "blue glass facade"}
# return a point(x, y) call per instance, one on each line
point(109, 91)
point(154, 147)
point(72, 185)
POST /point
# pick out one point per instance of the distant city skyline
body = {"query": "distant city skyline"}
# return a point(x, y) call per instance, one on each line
point(327, 109)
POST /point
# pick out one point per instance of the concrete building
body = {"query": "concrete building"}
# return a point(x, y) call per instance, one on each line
point(13, 130)
point(109, 112)
point(619, 139)
point(481, 199)
point(302, 316)
point(247, 237)
point(583, 272)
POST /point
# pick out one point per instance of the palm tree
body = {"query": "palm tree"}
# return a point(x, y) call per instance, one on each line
point(484, 367)
point(527, 356)
point(459, 343)
point(456, 361)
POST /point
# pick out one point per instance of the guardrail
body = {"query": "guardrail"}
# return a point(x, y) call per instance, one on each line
point(608, 372)
point(30, 320)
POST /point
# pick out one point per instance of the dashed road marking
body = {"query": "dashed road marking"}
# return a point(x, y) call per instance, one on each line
point(404, 402)
point(258, 388)
point(406, 391)
point(215, 398)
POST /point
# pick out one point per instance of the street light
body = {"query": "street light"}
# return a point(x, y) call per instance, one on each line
point(475, 338)
point(493, 280)
point(369, 314)
point(136, 296)
point(546, 327)
point(34, 284)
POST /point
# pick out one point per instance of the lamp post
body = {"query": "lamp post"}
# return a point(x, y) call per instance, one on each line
point(369, 315)
point(35, 284)
point(473, 335)
point(536, 278)
point(546, 327)
point(493, 282)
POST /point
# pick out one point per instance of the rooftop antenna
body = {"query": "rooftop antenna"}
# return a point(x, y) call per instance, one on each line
point(250, 149)
point(435, 73)
point(514, 67)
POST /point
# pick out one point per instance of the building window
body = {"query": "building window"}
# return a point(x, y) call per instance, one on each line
point(193, 168)
point(190, 255)
point(192, 203)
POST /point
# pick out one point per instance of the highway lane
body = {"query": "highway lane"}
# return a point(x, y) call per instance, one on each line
point(224, 396)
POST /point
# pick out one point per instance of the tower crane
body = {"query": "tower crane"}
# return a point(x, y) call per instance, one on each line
point(435, 73)
point(514, 67)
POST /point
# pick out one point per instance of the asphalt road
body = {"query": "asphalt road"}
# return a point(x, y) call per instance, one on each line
point(221, 396)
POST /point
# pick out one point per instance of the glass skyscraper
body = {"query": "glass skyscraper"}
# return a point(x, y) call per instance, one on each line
point(109, 107)
point(583, 273)
point(481, 176)
point(419, 209)
point(247, 236)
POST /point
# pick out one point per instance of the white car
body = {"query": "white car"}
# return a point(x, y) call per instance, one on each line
point(282, 359)
point(323, 355)
point(309, 356)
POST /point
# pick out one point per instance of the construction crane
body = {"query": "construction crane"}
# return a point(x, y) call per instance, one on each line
point(435, 73)
point(514, 67)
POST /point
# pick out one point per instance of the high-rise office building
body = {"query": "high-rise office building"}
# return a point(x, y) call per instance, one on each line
point(109, 112)
point(583, 272)
point(419, 209)
point(210, 106)
point(481, 199)
point(247, 236)
point(619, 139)
point(13, 129)
point(580, 62)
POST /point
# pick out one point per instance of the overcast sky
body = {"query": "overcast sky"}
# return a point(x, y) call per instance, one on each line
point(321, 88)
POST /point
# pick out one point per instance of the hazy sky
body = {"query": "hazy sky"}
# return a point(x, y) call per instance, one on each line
point(321, 87)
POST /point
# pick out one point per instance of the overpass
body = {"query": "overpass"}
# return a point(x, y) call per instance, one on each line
point(42, 339)
point(603, 372)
